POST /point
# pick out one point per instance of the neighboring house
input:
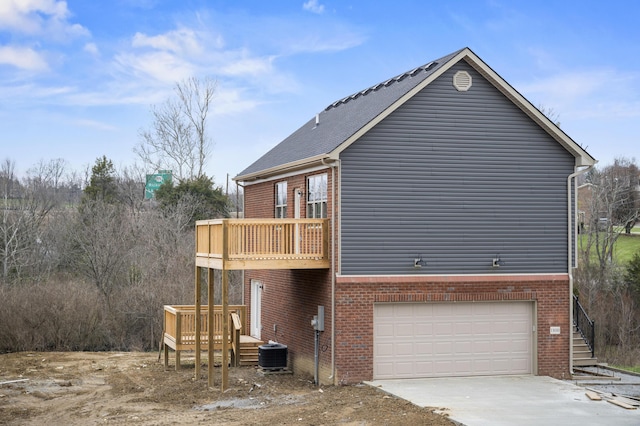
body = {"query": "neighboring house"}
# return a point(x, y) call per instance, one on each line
point(451, 204)
point(585, 214)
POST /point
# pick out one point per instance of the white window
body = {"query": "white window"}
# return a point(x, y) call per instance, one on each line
point(317, 196)
point(281, 200)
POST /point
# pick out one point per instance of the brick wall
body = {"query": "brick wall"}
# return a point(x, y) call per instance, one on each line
point(290, 298)
point(355, 297)
point(260, 198)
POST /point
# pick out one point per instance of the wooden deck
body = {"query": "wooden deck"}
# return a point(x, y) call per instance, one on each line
point(228, 244)
point(180, 333)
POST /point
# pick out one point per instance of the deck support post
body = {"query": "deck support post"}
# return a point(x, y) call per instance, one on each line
point(210, 349)
point(225, 308)
point(197, 319)
point(225, 330)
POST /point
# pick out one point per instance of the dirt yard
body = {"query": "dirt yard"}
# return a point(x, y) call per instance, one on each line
point(82, 388)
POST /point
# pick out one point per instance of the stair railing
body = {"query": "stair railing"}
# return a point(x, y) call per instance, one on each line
point(585, 326)
point(235, 339)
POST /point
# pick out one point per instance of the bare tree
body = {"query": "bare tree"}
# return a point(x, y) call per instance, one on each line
point(550, 113)
point(196, 97)
point(25, 209)
point(612, 207)
point(178, 139)
point(48, 174)
point(130, 184)
point(100, 240)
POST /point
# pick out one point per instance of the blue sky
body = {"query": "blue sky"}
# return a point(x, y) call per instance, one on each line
point(78, 78)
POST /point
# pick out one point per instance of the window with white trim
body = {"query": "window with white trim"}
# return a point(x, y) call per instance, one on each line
point(281, 200)
point(317, 196)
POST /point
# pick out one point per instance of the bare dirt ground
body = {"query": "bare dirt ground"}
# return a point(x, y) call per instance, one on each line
point(88, 388)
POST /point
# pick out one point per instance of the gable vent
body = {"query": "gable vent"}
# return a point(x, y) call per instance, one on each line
point(462, 81)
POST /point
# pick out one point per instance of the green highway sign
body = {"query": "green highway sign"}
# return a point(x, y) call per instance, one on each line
point(154, 181)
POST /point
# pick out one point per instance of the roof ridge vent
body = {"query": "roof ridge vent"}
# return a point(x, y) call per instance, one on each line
point(386, 83)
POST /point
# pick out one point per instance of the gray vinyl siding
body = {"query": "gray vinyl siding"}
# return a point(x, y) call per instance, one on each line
point(458, 178)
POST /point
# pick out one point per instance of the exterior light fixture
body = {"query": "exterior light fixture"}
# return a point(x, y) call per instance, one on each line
point(418, 262)
point(497, 262)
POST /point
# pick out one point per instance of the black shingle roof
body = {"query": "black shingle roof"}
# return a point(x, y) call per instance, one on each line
point(342, 119)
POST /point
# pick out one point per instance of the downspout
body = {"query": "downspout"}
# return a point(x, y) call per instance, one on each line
point(333, 270)
point(572, 239)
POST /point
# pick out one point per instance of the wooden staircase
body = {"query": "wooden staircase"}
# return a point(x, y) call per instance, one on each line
point(249, 350)
point(581, 352)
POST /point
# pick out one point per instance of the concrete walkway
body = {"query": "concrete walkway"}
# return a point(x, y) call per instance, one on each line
point(509, 400)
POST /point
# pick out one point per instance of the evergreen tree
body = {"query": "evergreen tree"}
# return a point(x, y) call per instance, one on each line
point(632, 275)
point(206, 201)
point(102, 184)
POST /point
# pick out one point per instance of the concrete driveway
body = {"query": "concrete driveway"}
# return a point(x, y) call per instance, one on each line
point(509, 400)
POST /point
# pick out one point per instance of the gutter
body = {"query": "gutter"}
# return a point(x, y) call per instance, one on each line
point(284, 168)
point(571, 239)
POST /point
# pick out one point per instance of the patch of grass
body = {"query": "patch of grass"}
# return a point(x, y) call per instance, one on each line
point(626, 246)
point(635, 369)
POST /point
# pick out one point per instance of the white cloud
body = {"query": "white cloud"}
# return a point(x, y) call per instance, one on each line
point(247, 66)
point(91, 48)
point(36, 17)
point(94, 124)
point(182, 41)
point(568, 85)
point(313, 6)
point(161, 66)
point(602, 93)
point(232, 101)
point(23, 57)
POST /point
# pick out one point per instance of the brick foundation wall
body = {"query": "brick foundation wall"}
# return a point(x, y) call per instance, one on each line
point(290, 299)
point(355, 297)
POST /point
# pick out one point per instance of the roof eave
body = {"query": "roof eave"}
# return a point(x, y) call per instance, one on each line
point(306, 163)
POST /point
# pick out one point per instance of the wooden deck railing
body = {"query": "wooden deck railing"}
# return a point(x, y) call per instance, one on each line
point(180, 328)
point(262, 243)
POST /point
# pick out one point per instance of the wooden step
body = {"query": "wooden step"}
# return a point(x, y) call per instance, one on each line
point(248, 355)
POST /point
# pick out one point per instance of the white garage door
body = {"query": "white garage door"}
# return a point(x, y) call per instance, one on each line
point(452, 339)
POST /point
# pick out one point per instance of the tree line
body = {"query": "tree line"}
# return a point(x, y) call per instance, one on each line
point(608, 286)
point(86, 262)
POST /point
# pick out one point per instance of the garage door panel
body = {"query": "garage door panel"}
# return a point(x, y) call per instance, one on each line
point(404, 349)
point(463, 346)
point(384, 349)
point(384, 330)
point(424, 329)
point(424, 347)
point(404, 330)
point(462, 328)
point(442, 348)
point(404, 368)
point(452, 339)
